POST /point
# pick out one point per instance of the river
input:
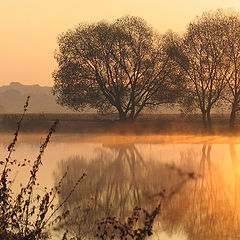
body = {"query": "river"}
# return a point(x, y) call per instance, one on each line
point(196, 179)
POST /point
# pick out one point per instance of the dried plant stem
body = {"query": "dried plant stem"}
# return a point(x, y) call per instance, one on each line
point(14, 141)
point(65, 200)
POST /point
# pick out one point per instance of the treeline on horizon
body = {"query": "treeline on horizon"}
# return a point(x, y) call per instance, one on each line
point(126, 66)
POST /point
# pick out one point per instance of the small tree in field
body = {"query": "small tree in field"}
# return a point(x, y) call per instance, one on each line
point(120, 66)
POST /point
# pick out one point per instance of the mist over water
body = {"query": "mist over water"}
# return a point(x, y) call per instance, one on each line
point(128, 171)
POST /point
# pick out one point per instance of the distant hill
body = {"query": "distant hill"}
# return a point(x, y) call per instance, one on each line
point(13, 97)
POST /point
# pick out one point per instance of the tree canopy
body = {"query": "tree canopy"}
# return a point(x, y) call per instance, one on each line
point(121, 66)
point(125, 66)
point(232, 92)
point(202, 54)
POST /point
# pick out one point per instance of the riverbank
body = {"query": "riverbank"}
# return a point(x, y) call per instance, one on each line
point(108, 124)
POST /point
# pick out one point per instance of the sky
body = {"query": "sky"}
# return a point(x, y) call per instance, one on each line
point(29, 28)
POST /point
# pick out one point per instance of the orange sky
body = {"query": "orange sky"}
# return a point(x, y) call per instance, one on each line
point(28, 28)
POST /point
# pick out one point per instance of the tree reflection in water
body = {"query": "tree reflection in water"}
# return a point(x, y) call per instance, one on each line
point(209, 207)
point(120, 179)
point(116, 182)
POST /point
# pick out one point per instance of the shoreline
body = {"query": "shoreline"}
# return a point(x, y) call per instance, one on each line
point(165, 124)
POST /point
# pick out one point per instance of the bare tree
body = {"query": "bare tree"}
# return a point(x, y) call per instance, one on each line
point(120, 65)
point(201, 55)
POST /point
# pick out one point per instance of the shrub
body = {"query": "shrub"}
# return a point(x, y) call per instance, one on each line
point(28, 214)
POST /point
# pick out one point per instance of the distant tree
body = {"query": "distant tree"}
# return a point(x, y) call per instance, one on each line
point(119, 66)
point(201, 55)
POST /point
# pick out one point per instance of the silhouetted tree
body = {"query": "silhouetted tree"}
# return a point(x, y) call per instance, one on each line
point(201, 55)
point(232, 92)
point(118, 66)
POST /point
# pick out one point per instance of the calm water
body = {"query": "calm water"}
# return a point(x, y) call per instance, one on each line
point(128, 171)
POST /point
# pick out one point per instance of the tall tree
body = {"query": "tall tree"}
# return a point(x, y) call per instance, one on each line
point(201, 55)
point(120, 65)
point(232, 92)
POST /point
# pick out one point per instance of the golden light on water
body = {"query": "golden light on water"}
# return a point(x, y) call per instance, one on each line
point(140, 169)
point(237, 168)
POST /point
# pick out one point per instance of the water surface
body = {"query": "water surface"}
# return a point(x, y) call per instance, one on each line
point(199, 176)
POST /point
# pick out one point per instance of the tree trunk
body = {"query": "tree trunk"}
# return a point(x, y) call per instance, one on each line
point(232, 117)
point(122, 116)
point(209, 120)
point(132, 113)
point(204, 119)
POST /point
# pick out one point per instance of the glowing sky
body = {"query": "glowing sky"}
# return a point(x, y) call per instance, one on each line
point(28, 28)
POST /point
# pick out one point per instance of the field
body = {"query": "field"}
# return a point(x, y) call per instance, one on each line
point(93, 123)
